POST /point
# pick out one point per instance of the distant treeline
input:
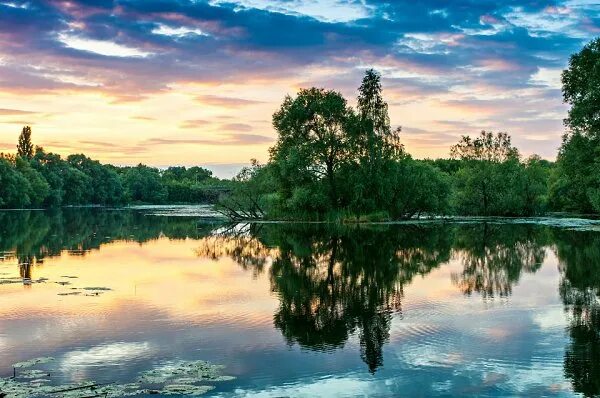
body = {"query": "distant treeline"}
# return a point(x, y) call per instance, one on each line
point(36, 178)
point(334, 162)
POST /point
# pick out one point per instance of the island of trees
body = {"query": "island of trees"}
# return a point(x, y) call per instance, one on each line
point(335, 162)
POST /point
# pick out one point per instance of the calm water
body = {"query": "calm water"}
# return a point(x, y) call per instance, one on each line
point(433, 309)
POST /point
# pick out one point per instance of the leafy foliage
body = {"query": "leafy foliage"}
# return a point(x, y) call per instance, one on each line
point(581, 90)
point(334, 163)
point(43, 179)
point(25, 147)
point(575, 184)
point(491, 179)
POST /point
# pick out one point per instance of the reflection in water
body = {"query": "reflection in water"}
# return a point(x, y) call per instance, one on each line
point(334, 284)
point(494, 256)
point(31, 236)
point(580, 290)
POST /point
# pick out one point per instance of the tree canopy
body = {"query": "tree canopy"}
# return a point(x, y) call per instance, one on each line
point(575, 184)
point(332, 162)
point(25, 147)
point(36, 178)
point(581, 90)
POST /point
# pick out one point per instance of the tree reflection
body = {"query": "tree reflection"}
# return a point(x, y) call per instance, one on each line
point(333, 282)
point(31, 236)
point(494, 257)
point(579, 256)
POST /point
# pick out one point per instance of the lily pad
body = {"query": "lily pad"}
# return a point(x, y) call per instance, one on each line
point(185, 389)
point(32, 374)
point(181, 378)
point(33, 362)
point(196, 370)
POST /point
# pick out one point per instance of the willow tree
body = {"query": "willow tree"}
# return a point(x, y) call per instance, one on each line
point(313, 140)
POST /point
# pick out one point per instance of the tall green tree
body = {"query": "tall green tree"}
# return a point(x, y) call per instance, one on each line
point(313, 139)
point(377, 140)
point(25, 147)
point(581, 90)
point(576, 182)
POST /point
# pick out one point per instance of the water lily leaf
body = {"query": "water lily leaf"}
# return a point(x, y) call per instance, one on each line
point(32, 362)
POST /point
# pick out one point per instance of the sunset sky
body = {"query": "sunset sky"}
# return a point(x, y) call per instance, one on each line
point(193, 82)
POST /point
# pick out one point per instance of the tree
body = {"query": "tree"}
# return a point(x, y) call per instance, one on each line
point(38, 188)
point(251, 195)
point(488, 182)
point(53, 169)
point(581, 90)
point(14, 187)
point(487, 147)
point(416, 188)
point(376, 138)
point(143, 184)
point(313, 136)
point(106, 187)
point(534, 185)
point(25, 147)
point(575, 182)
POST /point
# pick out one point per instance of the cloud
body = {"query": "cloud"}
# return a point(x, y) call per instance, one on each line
point(102, 47)
point(21, 121)
point(4, 111)
point(195, 123)
point(322, 10)
point(226, 140)
point(180, 31)
point(226, 102)
point(484, 61)
point(236, 127)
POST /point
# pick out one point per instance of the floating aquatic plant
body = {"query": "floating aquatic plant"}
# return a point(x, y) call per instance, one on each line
point(5, 281)
point(184, 370)
point(33, 374)
point(185, 389)
point(183, 378)
point(33, 362)
point(101, 289)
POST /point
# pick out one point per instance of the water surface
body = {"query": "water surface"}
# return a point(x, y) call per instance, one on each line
point(422, 309)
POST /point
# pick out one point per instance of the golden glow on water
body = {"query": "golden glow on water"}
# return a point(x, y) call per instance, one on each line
point(165, 275)
point(295, 310)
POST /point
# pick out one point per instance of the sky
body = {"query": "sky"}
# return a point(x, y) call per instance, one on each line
point(195, 82)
